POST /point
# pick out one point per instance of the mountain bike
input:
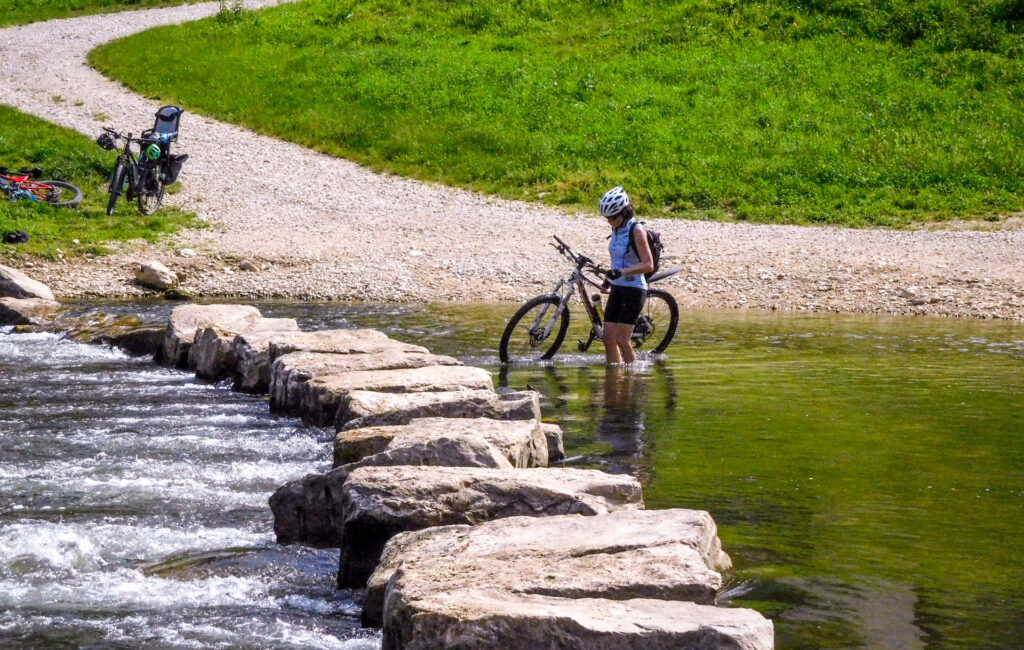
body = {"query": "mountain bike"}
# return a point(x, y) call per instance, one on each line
point(137, 177)
point(537, 330)
point(23, 186)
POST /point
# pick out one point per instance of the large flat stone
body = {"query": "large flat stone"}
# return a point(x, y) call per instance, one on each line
point(354, 341)
point(185, 320)
point(212, 353)
point(668, 554)
point(424, 441)
point(362, 408)
point(491, 618)
point(377, 503)
point(325, 396)
point(291, 373)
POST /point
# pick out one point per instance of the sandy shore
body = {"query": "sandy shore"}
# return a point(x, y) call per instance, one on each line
point(322, 228)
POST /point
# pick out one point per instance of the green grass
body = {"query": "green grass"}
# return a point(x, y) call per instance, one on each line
point(21, 12)
point(837, 112)
point(26, 141)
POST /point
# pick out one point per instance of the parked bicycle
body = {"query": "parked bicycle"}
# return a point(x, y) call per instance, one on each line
point(537, 330)
point(23, 185)
point(145, 176)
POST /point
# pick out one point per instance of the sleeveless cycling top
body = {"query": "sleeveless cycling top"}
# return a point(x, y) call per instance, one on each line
point(624, 256)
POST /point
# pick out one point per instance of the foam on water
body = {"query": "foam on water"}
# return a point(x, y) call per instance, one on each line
point(133, 510)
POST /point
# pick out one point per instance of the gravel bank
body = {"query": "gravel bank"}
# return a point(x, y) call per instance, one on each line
point(324, 228)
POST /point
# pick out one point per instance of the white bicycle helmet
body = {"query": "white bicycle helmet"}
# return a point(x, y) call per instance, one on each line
point(613, 201)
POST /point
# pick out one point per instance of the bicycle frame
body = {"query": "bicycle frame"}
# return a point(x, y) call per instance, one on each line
point(22, 187)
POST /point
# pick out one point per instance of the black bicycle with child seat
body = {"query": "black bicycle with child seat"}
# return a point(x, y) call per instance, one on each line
point(145, 176)
point(537, 330)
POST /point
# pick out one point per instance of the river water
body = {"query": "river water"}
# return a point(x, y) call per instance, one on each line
point(867, 476)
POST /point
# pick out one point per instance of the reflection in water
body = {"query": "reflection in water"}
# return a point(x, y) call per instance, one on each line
point(621, 426)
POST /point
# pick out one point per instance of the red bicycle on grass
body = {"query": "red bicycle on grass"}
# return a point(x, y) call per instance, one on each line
point(24, 186)
point(537, 330)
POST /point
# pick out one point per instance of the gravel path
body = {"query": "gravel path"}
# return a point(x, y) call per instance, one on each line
point(325, 228)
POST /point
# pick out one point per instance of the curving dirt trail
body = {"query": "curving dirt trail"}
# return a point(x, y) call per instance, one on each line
point(326, 228)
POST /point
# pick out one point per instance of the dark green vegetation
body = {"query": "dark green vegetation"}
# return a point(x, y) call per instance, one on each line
point(26, 141)
point(20, 12)
point(776, 111)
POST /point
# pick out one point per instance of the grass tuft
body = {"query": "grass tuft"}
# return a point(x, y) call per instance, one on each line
point(26, 141)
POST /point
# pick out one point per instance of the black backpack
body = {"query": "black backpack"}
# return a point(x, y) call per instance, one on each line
point(654, 241)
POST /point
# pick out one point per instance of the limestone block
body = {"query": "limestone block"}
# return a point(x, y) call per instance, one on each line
point(290, 374)
point(185, 320)
point(380, 502)
point(325, 395)
point(212, 353)
point(491, 618)
point(668, 554)
point(368, 408)
point(521, 443)
point(354, 341)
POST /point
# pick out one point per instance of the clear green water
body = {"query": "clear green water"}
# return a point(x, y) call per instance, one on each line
point(866, 473)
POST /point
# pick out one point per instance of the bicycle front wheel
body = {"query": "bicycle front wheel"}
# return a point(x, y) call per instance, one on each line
point(116, 186)
point(657, 323)
point(535, 332)
point(59, 194)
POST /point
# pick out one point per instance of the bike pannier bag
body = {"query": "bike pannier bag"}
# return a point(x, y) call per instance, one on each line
point(654, 241)
point(167, 120)
point(172, 167)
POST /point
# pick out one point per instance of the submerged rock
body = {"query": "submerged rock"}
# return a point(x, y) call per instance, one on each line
point(125, 332)
point(187, 319)
point(667, 554)
point(15, 284)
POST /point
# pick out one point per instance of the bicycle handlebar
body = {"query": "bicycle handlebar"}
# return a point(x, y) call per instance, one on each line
point(581, 261)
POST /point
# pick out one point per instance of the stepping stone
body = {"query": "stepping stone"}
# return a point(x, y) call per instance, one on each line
point(185, 320)
point(362, 408)
point(490, 618)
point(325, 397)
point(212, 353)
point(443, 442)
point(668, 554)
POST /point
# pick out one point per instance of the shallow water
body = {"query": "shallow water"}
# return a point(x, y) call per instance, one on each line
point(867, 476)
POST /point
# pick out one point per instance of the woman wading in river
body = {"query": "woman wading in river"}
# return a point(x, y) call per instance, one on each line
point(630, 260)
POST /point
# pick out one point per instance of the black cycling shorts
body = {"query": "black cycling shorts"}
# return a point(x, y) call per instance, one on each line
point(624, 305)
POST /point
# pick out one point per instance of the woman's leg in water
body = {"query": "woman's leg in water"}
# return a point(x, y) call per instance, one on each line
point(617, 345)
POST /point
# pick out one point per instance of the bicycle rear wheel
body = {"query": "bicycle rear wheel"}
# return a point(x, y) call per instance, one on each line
point(152, 196)
point(116, 186)
point(532, 334)
point(57, 193)
point(657, 323)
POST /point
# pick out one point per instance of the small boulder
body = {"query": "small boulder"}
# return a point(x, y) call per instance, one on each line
point(155, 275)
point(15, 284)
point(249, 267)
point(34, 312)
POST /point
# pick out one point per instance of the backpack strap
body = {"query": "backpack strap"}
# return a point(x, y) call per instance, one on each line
point(632, 242)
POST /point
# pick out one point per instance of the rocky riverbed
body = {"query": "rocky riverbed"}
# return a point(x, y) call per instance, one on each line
point(358, 235)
